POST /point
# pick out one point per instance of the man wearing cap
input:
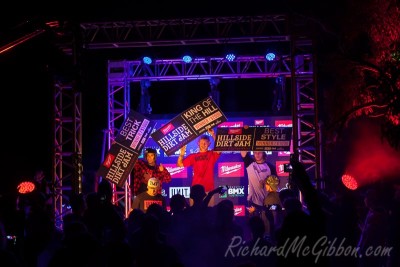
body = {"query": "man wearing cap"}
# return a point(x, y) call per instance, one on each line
point(151, 196)
point(272, 198)
point(273, 204)
point(146, 168)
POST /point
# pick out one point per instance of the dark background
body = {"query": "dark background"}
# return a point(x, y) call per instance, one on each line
point(29, 70)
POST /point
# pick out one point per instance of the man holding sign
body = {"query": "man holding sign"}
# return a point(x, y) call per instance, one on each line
point(202, 163)
point(143, 170)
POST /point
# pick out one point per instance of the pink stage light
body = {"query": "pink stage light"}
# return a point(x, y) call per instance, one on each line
point(349, 181)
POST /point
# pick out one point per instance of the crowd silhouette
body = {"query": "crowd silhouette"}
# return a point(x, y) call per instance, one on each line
point(311, 232)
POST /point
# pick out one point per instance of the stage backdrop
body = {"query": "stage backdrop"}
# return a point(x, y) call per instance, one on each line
point(229, 169)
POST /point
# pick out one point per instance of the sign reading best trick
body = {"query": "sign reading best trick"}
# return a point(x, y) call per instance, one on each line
point(188, 125)
point(253, 138)
point(121, 157)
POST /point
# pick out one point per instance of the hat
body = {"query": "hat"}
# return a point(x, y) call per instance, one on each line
point(153, 183)
point(272, 181)
point(150, 150)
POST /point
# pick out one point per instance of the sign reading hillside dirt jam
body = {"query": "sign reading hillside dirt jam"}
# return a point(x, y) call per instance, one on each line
point(121, 157)
point(257, 138)
point(234, 139)
point(117, 164)
point(188, 125)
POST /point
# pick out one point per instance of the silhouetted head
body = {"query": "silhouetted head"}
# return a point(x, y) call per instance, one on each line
point(225, 210)
point(197, 192)
point(177, 203)
point(292, 204)
point(257, 226)
point(286, 193)
point(105, 191)
point(77, 202)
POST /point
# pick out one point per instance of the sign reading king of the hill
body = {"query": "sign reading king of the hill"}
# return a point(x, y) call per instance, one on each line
point(188, 125)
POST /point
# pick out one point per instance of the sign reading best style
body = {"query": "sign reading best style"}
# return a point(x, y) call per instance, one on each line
point(188, 125)
point(259, 138)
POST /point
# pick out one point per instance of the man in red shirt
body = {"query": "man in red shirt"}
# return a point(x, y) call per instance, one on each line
point(202, 163)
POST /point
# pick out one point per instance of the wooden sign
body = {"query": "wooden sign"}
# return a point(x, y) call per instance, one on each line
point(130, 140)
point(134, 131)
point(118, 164)
point(259, 138)
point(188, 125)
point(272, 138)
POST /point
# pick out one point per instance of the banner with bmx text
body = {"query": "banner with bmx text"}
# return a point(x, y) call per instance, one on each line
point(188, 125)
point(123, 153)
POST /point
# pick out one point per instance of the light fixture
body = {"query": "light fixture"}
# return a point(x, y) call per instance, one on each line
point(187, 59)
point(147, 60)
point(26, 187)
point(230, 57)
point(349, 181)
point(270, 56)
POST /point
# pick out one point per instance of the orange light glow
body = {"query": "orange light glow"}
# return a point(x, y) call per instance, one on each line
point(25, 187)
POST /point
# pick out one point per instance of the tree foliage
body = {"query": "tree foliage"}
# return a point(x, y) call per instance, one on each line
point(364, 67)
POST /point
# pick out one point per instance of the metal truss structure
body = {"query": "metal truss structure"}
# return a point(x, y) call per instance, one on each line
point(297, 65)
point(243, 67)
point(306, 130)
point(67, 150)
point(185, 31)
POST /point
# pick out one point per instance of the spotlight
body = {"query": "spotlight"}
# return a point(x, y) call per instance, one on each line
point(349, 181)
point(270, 56)
point(147, 60)
point(230, 57)
point(25, 187)
point(187, 59)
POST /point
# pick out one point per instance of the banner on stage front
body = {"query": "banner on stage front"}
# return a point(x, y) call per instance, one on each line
point(188, 125)
point(129, 142)
point(257, 138)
